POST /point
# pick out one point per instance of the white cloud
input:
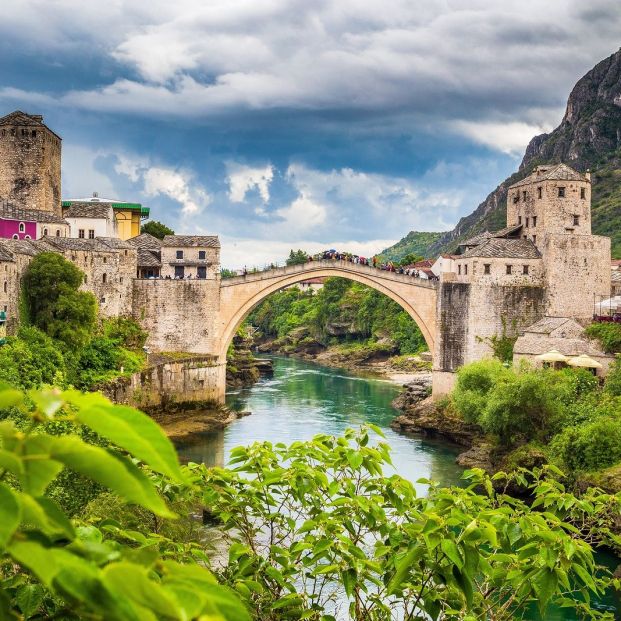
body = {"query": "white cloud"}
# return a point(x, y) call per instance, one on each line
point(176, 184)
point(302, 215)
point(80, 176)
point(511, 138)
point(242, 179)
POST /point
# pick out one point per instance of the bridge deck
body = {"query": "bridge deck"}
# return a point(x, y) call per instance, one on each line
point(329, 264)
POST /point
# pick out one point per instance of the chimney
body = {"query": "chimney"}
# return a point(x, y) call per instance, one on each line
point(587, 174)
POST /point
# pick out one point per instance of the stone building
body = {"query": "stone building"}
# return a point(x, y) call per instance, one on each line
point(30, 155)
point(149, 255)
point(190, 256)
point(88, 221)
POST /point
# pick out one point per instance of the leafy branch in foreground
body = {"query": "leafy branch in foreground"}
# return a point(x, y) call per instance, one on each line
point(52, 567)
point(318, 532)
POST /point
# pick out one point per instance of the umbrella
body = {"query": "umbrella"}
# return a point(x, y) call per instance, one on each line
point(584, 361)
point(552, 356)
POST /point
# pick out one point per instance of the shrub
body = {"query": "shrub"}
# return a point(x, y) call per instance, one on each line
point(608, 335)
point(125, 331)
point(613, 379)
point(590, 446)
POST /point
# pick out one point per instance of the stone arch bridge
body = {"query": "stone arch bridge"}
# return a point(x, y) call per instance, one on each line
point(202, 316)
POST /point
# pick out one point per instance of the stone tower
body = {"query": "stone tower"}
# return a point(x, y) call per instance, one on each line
point(552, 208)
point(30, 155)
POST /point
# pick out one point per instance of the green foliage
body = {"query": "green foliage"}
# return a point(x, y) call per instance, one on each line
point(54, 303)
point(226, 273)
point(520, 404)
point(411, 258)
point(156, 228)
point(502, 344)
point(613, 379)
point(316, 526)
point(31, 359)
point(608, 335)
point(297, 257)
point(415, 242)
point(126, 332)
point(591, 446)
point(53, 567)
point(368, 315)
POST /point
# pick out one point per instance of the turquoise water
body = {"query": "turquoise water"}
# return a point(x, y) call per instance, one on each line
point(303, 399)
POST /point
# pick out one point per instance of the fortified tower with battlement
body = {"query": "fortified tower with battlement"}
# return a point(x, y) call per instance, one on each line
point(30, 156)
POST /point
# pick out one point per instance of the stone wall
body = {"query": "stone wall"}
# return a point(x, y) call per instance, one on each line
point(452, 327)
point(30, 167)
point(577, 274)
point(192, 383)
point(179, 315)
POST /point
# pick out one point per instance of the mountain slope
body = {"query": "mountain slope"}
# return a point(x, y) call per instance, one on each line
point(414, 242)
point(589, 137)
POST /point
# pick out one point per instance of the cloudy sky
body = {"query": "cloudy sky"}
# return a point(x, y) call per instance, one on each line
point(279, 124)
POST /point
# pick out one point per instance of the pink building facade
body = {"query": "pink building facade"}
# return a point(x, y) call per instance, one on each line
point(17, 229)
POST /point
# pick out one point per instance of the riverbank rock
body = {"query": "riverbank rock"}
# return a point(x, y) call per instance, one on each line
point(426, 418)
point(480, 455)
point(416, 390)
point(182, 426)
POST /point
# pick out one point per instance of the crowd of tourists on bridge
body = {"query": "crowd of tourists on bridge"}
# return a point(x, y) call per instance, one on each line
point(388, 266)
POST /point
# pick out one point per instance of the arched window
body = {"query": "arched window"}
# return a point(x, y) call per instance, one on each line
point(5, 286)
point(22, 227)
point(27, 237)
point(57, 232)
point(44, 231)
point(16, 236)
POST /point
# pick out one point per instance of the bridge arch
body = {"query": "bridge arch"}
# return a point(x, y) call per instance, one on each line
point(240, 295)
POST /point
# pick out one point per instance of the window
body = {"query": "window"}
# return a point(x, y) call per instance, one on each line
point(179, 254)
point(121, 280)
point(516, 198)
point(34, 133)
point(539, 192)
point(519, 219)
point(27, 237)
point(583, 193)
point(16, 236)
point(105, 259)
point(561, 192)
point(466, 269)
point(534, 220)
point(5, 286)
point(534, 239)
point(126, 253)
point(509, 269)
point(459, 270)
point(44, 231)
point(201, 272)
point(576, 220)
point(81, 233)
point(524, 195)
point(91, 233)
point(104, 278)
point(202, 255)
point(179, 271)
point(525, 270)
point(57, 232)
point(22, 227)
point(526, 222)
point(85, 279)
point(487, 268)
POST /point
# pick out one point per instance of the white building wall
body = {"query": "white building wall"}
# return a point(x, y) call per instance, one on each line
point(102, 227)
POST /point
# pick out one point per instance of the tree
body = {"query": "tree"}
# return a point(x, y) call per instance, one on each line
point(156, 228)
point(297, 257)
point(411, 258)
point(57, 568)
point(54, 304)
point(317, 527)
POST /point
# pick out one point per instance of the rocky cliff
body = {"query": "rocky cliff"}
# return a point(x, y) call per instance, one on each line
point(589, 137)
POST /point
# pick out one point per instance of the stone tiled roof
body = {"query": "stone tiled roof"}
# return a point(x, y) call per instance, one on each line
point(5, 255)
point(504, 248)
point(88, 210)
point(191, 241)
point(615, 276)
point(21, 118)
point(115, 242)
point(555, 172)
point(20, 246)
point(148, 258)
point(477, 239)
point(9, 211)
point(547, 325)
point(508, 230)
point(146, 241)
point(71, 243)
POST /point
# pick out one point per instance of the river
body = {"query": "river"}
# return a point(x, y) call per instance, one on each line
point(303, 399)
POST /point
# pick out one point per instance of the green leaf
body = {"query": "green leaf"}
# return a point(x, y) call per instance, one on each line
point(10, 514)
point(29, 598)
point(544, 583)
point(130, 429)
point(39, 469)
point(45, 514)
point(451, 550)
point(12, 463)
point(464, 584)
point(109, 469)
point(402, 568)
point(10, 397)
